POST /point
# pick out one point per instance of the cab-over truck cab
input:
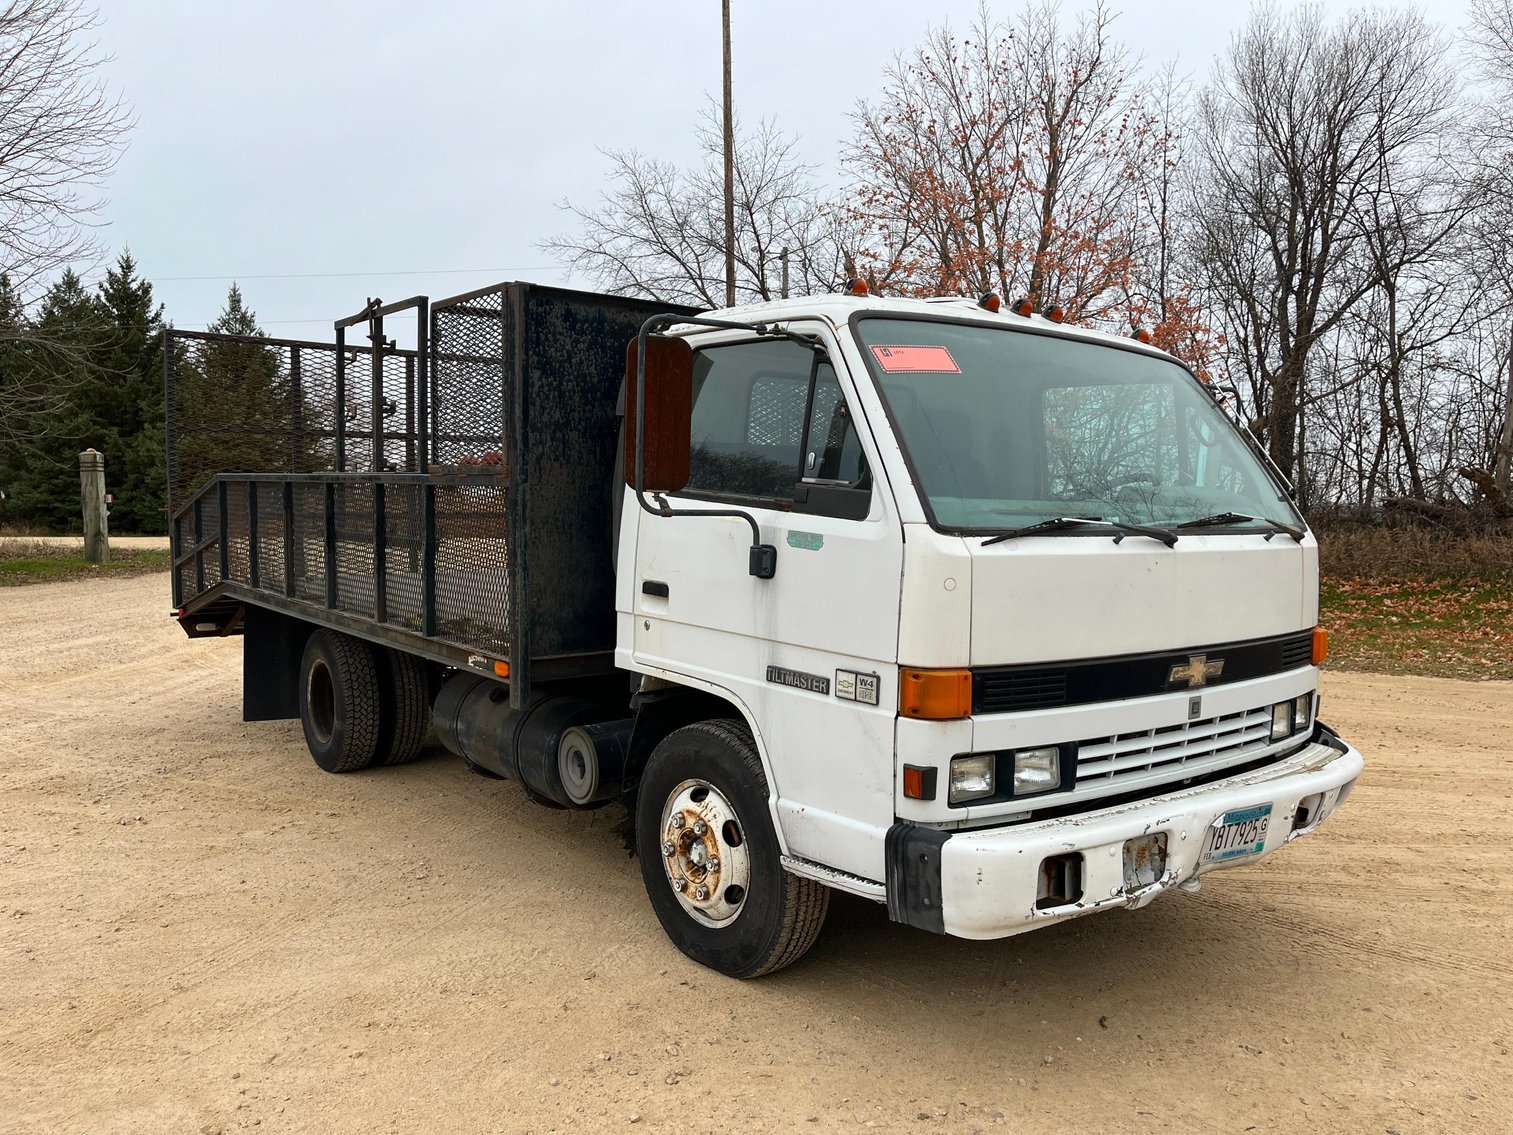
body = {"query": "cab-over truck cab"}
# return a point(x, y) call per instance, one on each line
point(1014, 623)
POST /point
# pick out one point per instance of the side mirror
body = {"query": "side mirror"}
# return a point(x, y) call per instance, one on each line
point(668, 428)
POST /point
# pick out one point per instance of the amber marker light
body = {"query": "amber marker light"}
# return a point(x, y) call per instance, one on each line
point(1024, 307)
point(989, 302)
point(1140, 334)
point(502, 669)
point(1054, 312)
point(1320, 645)
point(934, 695)
point(857, 287)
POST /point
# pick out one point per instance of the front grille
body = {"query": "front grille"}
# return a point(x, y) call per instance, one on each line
point(1174, 752)
point(1023, 689)
point(1007, 689)
point(1297, 651)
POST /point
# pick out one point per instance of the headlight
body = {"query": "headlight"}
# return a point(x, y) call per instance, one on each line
point(971, 777)
point(1037, 770)
point(1281, 720)
point(1302, 717)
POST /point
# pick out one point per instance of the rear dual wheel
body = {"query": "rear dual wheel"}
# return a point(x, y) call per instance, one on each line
point(360, 705)
point(710, 859)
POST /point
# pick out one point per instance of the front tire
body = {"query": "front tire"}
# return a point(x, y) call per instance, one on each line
point(339, 701)
point(710, 859)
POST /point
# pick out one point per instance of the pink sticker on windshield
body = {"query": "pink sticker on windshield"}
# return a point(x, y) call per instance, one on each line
point(915, 360)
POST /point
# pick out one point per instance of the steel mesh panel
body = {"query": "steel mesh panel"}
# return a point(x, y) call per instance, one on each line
point(270, 537)
point(777, 412)
point(402, 567)
point(247, 404)
point(183, 540)
point(472, 592)
point(210, 526)
point(238, 533)
point(310, 542)
point(354, 548)
point(470, 382)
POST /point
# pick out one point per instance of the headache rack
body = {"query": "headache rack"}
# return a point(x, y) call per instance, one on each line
point(454, 500)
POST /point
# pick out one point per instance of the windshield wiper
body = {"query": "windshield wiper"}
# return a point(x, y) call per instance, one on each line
point(1060, 523)
point(1223, 518)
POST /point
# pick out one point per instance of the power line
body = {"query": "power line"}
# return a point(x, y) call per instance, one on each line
point(349, 275)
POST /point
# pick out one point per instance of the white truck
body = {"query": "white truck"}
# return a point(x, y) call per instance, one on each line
point(992, 619)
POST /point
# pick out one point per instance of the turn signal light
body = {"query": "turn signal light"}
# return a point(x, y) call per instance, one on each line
point(1320, 645)
point(935, 695)
point(502, 669)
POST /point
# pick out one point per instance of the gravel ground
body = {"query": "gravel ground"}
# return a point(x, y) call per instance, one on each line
point(202, 932)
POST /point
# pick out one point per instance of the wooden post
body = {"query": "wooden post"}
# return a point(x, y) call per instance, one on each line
point(92, 483)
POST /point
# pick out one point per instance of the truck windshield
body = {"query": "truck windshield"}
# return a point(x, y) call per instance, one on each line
point(1005, 429)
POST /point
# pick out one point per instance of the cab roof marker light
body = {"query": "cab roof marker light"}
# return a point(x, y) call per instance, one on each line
point(857, 287)
point(989, 302)
point(1024, 307)
point(1141, 335)
point(1054, 312)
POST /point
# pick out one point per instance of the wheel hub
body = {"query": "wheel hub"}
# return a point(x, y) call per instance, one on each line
point(705, 854)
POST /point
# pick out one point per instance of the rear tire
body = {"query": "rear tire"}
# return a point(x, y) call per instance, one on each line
point(339, 701)
point(405, 706)
point(704, 797)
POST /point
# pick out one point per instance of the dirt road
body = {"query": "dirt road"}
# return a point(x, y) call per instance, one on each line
point(202, 932)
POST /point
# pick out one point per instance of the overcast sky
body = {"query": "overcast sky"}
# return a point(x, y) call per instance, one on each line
point(324, 151)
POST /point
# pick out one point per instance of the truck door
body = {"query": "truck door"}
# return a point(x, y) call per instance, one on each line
point(813, 651)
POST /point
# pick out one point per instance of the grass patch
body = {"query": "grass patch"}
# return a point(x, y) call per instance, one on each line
point(26, 561)
point(1417, 601)
point(1442, 628)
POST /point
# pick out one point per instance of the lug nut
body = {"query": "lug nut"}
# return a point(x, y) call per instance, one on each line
point(677, 820)
point(714, 863)
point(700, 827)
point(668, 847)
point(680, 885)
point(701, 893)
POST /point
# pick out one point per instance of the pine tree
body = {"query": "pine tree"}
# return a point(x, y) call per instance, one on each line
point(132, 368)
point(59, 354)
point(233, 405)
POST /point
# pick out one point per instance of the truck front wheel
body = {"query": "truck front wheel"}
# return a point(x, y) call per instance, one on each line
point(710, 859)
point(338, 701)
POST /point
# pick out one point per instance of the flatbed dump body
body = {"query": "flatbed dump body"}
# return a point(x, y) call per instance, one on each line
point(466, 496)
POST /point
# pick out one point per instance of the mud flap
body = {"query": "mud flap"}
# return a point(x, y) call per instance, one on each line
point(914, 861)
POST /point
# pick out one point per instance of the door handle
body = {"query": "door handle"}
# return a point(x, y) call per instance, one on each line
point(654, 587)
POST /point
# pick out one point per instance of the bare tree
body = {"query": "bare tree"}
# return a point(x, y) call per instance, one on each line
point(1006, 161)
point(1304, 127)
point(1491, 41)
point(61, 132)
point(659, 231)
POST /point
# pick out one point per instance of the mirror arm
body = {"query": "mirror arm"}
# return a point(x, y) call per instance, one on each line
point(762, 561)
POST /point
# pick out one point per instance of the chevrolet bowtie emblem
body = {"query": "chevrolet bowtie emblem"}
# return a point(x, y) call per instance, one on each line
point(1197, 671)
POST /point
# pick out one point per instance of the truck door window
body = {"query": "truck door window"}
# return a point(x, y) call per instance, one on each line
point(833, 452)
point(761, 434)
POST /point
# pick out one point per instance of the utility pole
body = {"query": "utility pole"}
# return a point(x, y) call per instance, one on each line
point(729, 165)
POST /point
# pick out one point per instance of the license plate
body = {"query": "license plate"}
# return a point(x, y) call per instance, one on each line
point(1237, 834)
